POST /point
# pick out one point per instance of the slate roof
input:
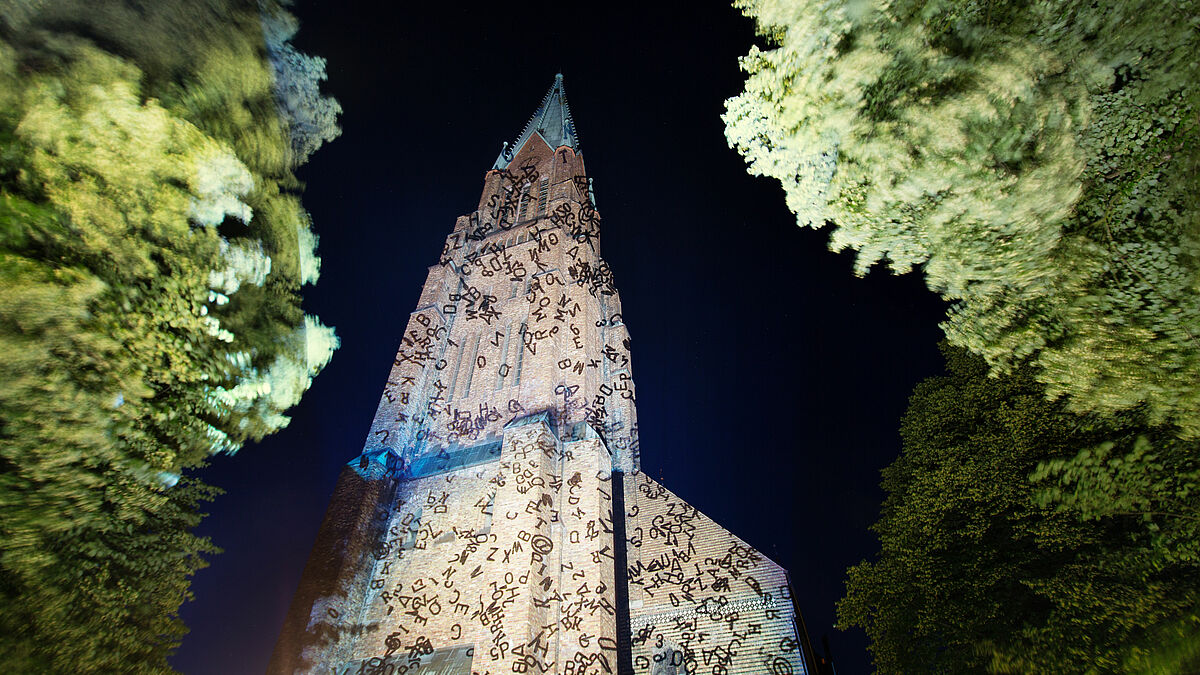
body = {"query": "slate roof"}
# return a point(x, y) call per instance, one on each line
point(552, 120)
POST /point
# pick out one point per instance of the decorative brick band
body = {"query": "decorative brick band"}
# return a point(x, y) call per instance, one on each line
point(693, 612)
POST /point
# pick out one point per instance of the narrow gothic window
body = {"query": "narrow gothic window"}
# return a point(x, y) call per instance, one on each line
point(505, 207)
point(471, 368)
point(524, 203)
point(543, 193)
point(454, 373)
point(520, 356)
point(502, 369)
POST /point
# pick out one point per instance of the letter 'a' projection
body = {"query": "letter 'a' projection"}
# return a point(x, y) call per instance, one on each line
point(496, 520)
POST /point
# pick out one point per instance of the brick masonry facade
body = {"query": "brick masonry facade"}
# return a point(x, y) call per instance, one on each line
point(475, 532)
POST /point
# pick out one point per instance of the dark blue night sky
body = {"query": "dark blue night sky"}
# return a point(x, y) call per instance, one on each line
point(770, 380)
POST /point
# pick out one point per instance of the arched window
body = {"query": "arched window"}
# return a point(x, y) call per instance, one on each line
point(543, 193)
point(523, 204)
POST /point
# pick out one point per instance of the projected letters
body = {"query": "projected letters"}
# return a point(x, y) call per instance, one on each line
point(476, 533)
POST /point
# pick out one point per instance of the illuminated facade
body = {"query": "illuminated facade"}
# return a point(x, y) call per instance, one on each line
point(475, 532)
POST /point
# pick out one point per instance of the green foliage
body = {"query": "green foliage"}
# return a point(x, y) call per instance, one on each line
point(1155, 478)
point(1039, 160)
point(981, 569)
point(311, 117)
point(152, 250)
point(1176, 648)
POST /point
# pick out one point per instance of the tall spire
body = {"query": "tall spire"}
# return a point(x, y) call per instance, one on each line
point(552, 120)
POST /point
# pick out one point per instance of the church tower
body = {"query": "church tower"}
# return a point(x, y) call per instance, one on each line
point(496, 520)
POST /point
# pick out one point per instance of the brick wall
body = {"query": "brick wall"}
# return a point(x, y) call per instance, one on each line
point(440, 556)
point(701, 600)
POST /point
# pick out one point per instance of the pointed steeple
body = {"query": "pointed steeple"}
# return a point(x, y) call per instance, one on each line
point(552, 120)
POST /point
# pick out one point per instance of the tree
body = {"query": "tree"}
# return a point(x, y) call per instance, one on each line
point(981, 568)
point(311, 117)
point(152, 250)
point(1039, 161)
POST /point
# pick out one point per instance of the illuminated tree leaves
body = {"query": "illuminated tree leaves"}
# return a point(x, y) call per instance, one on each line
point(152, 248)
point(981, 567)
point(1036, 160)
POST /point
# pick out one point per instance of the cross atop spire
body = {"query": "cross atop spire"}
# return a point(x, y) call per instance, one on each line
point(552, 120)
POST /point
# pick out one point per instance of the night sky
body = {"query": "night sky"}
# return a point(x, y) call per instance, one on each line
point(770, 380)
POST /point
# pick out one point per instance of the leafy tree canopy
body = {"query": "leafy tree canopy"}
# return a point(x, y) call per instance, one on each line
point(152, 251)
point(1039, 160)
point(983, 570)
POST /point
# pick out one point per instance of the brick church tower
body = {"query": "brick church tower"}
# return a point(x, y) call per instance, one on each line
point(496, 520)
